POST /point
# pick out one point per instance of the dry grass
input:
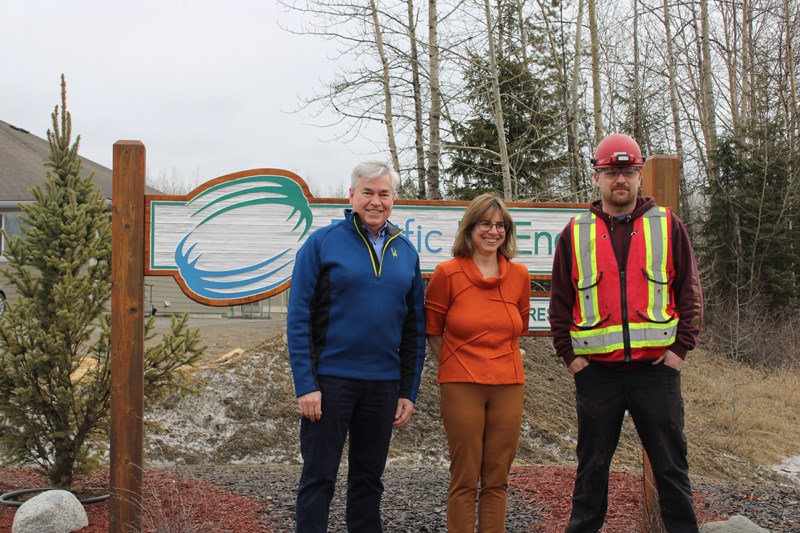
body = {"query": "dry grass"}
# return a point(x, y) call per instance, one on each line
point(735, 412)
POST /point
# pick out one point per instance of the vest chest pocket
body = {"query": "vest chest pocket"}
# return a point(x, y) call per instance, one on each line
point(587, 311)
point(658, 298)
point(658, 277)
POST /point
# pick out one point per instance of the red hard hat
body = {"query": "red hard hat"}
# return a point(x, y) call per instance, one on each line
point(617, 150)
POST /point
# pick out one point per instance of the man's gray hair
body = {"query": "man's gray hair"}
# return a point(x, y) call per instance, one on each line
point(370, 170)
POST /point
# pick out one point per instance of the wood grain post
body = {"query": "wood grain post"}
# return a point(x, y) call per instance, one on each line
point(661, 180)
point(127, 337)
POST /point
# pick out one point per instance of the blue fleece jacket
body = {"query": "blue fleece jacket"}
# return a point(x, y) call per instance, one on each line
point(353, 314)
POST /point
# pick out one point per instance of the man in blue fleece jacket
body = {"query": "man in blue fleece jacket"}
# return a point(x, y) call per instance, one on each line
point(357, 346)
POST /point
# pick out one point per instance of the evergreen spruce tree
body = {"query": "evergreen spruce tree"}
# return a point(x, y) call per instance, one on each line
point(750, 241)
point(532, 122)
point(54, 339)
point(532, 134)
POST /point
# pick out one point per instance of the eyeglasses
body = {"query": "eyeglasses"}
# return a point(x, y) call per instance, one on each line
point(485, 225)
point(613, 172)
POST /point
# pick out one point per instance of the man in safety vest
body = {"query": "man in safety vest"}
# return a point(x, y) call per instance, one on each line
point(625, 308)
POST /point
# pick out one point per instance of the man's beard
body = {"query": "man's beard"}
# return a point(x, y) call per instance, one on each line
point(618, 201)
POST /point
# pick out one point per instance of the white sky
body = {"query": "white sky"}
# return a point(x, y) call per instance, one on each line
point(207, 85)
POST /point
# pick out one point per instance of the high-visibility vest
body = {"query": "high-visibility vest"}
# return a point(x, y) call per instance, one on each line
point(623, 314)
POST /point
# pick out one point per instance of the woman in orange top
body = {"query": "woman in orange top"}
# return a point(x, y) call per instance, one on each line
point(476, 308)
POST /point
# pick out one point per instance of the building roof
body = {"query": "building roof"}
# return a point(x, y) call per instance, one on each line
point(22, 165)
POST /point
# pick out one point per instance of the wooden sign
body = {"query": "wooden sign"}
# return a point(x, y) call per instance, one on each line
point(233, 240)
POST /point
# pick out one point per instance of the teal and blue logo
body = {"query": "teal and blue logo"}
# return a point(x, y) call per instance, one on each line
point(238, 238)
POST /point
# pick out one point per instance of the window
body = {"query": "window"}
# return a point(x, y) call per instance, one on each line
point(10, 223)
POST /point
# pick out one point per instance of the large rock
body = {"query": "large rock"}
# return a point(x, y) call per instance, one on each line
point(53, 511)
point(735, 524)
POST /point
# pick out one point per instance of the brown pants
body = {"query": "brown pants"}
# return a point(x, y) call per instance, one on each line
point(482, 424)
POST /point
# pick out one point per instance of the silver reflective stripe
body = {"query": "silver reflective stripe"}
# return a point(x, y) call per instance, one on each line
point(648, 334)
point(642, 335)
point(584, 240)
point(600, 340)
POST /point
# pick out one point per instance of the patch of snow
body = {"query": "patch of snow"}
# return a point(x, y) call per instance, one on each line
point(790, 467)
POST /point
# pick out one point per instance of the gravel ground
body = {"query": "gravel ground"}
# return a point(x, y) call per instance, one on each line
point(414, 500)
point(776, 508)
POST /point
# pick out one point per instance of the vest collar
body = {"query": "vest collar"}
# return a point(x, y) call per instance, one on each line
point(643, 205)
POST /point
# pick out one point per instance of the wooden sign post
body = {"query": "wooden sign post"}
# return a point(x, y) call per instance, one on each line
point(661, 180)
point(127, 337)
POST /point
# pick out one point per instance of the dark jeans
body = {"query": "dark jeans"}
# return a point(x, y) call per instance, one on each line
point(365, 410)
point(652, 395)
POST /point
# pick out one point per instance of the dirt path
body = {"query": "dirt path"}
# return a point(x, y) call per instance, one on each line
point(222, 335)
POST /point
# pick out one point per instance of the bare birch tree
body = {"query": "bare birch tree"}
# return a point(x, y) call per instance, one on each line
point(568, 92)
point(636, 112)
point(419, 132)
point(791, 22)
point(574, 138)
point(435, 112)
point(388, 114)
point(674, 107)
point(497, 105)
point(595, 40)
point(709, 117)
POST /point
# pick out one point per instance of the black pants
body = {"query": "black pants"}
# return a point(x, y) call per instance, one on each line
point(652, 395)
point(364, 410)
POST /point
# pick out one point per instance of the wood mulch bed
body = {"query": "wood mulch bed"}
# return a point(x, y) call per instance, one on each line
point(171, 503)
point(253, 498)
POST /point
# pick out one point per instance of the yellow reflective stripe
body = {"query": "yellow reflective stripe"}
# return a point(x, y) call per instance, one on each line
point(648, 236)
point(576, 239)
point(587, 333)
point(651, 287)
point(620, 345)
point(600, 340)
point(584, 237)
point(654, 224)
point(595, 284)
point(604, 349)
point(618, 328)
point(645, 334)
point(652, 325)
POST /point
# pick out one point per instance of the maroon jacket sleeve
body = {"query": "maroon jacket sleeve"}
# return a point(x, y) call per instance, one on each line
point(687, 289)
point(562, 296)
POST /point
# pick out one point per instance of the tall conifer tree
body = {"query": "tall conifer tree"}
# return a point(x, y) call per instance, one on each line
point(54, 339)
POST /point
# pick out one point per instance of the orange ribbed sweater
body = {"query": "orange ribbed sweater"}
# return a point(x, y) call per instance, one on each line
point(481, 320)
